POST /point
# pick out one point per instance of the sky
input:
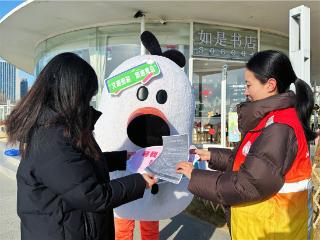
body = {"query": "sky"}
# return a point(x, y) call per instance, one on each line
point(5, 7)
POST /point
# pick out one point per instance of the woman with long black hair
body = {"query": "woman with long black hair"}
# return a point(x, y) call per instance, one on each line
point(64, 190)
point(266, 180)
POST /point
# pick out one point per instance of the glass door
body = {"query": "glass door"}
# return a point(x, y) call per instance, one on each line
point(218, 87)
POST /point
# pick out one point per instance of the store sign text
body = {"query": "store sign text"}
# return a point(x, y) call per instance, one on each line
point(216, 42)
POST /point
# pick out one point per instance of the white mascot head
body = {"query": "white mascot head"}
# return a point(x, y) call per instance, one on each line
point(136, 117)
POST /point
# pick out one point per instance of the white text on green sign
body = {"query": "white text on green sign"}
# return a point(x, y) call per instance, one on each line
point(141, 73)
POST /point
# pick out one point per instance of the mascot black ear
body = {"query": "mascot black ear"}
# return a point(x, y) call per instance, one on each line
point(151, 43)
point(175, 56)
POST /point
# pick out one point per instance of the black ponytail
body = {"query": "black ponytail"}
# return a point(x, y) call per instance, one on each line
point(304, 106)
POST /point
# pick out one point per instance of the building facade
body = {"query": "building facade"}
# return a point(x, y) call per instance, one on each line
point(23, 87)
point(8, 76)
point(217, 38)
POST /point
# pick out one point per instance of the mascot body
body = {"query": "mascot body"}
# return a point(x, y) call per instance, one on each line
point(136, 117)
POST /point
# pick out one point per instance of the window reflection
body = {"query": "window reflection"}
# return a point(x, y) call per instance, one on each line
point(235, 95)
point(207, 90)
point(207, 80)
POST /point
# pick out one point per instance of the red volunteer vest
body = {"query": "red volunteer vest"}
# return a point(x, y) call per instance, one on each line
point(301, 167)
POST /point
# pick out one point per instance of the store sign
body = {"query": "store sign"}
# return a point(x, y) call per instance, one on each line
point(213, 41)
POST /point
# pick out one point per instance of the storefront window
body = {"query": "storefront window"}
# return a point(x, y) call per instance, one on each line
point(172, 36)
point(235, 95)
point(117, 44)
point(104, 48)
point(207, 91)
point(78, 42)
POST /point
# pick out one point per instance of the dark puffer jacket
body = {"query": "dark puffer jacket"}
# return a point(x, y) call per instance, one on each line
point(262, 173)
point(63, 195)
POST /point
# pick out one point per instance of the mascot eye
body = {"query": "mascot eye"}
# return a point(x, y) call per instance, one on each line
point(161, 96)
point(142, 93)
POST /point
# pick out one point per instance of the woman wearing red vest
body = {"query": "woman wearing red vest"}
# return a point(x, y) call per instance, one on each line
point(266, 179)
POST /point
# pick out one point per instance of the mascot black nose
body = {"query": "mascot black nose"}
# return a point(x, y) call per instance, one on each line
point(147, 130)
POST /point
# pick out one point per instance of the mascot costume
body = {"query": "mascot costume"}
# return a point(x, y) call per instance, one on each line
point(145, 98)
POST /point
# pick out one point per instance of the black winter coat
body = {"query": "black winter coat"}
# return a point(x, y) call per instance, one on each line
point(63, 195)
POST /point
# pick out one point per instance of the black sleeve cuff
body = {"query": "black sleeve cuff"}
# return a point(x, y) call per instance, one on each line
point(116, 160)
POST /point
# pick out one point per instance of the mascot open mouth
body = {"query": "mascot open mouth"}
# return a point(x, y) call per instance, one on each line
point(146, 126)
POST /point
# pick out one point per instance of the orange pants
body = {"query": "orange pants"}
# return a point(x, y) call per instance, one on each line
point(124, 229)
